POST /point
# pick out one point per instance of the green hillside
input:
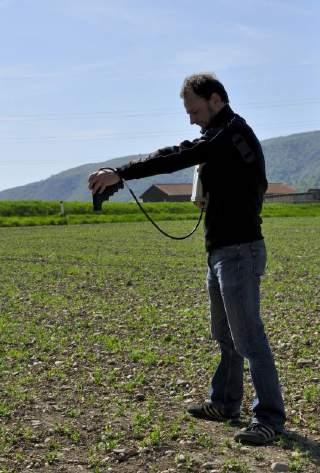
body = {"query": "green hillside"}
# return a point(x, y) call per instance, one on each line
point(294, 159)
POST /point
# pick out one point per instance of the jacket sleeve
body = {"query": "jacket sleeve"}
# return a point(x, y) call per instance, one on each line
point(173, 158)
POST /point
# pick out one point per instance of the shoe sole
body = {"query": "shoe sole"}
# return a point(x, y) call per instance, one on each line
point(254, 441)
point(214, 419)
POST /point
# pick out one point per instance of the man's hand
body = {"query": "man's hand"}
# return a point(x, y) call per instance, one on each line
point(201, 204)
point(100, 180)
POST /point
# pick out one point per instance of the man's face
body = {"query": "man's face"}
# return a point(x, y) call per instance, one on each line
point(200, 110)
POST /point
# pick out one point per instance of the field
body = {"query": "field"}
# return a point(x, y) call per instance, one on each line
point(105, 341)
point(34, 213)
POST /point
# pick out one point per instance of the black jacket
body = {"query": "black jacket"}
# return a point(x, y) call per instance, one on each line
point(233, 177)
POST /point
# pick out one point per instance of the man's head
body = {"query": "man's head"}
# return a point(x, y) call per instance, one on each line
point(204, 96)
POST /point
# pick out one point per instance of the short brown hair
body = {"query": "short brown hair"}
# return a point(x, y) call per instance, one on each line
point(204, 85)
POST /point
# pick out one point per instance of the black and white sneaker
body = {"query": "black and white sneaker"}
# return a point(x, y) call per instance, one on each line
point(256, 434)
point(208, 412)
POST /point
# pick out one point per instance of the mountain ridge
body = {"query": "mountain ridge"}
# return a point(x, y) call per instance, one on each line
point(293, 159)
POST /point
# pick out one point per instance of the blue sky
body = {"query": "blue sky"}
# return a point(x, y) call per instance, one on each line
point(88, 80)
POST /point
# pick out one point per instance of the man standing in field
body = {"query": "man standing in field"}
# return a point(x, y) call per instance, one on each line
point(234, 182)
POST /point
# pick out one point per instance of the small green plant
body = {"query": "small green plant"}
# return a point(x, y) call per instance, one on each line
point(259, 456)
point(205, 440)
point(74, 412)
point(4, 410)
point(138, 380)
point(110, 438)
point(232, 464)
point(98, 376)
point(51, 457)
point(184, 460)
point(299, 461)
point(111, 343)
point(311, 393)
point(68, 431)
point(140, 423)
point(228, 443)
point(153, 437)
point(147, 357)
point(174, 430)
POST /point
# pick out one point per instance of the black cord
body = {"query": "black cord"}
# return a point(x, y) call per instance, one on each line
point(99, 198)
point(154, 223)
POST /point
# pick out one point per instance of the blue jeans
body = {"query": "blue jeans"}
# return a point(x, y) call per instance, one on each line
point(234, 290)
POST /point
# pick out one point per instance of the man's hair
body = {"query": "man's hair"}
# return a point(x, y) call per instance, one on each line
point(204, 85)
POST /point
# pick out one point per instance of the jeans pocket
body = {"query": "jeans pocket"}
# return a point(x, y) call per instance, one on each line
point(259, 257)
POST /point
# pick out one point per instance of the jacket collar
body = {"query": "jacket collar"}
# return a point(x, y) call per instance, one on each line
point(222, 117)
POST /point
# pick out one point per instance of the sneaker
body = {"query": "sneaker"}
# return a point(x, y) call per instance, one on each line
point(256, 434)
point(208, 412)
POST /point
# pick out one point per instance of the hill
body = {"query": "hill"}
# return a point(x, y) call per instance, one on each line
point(294, 159)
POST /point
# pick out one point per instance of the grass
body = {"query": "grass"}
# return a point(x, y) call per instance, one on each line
point(36, 213)
point(104, 340)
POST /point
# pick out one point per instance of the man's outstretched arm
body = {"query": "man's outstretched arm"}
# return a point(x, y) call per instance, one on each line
point(166, 160)
point(162, 161)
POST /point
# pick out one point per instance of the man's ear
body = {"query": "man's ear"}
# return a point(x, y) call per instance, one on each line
point(215, 100)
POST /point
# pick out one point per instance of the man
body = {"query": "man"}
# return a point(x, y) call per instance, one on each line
point(234, 182)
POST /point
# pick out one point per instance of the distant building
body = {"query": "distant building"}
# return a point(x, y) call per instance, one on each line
point(312, 195)
point(167, 193)
point(276, 192)
point(280, 188)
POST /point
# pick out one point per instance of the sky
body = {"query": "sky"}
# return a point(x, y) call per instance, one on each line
point(83, 81)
